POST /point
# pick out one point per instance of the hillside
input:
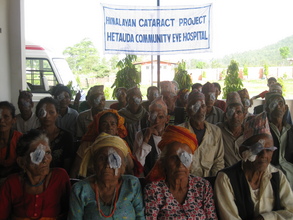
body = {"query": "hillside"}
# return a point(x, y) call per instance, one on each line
point(268, 55)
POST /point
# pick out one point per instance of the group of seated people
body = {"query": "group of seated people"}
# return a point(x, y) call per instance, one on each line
point(180, 155)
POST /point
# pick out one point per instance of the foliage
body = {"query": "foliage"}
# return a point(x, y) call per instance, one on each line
point(266, 70)
point(232, 82)
point(269, 54)
point(197, 64)
point(83, 58)
point(127, 76)
point(284, 52)
point(245, 70)
point(182, 77)
point(72, 90)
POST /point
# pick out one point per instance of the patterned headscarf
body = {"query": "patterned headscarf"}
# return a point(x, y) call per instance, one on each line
point(172, 134)
point(208, 87)
point(233, 98)
point(103, 140)
point(169, 86)
point(93, 128)
point(256, 124)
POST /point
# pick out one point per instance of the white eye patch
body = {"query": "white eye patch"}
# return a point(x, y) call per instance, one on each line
point(153, 116)
point(137, 100)
point(38, 155)
point(25, 104)
point(61, 96)
point(184, 157)
point(255, 149)
point(212, 96)
point(98, 100)
point(156, 94)
point(42, 112)
point(273, 105)
point(194, 108)
point(246, 103)
point(114, 160)
point(230, 112)
point(186, 96)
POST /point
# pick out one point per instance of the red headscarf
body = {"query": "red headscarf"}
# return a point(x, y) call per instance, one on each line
point(171, 134)
point(93, 128)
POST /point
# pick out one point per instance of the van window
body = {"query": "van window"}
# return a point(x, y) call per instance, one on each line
point(39, 75)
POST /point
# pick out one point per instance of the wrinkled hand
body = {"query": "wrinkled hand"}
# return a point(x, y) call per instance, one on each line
point(149, 131)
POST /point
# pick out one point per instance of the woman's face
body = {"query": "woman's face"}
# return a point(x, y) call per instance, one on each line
point(43, 168)
point(6, 119)
point(50, 116)
point(173, 165)
point(102, 167)
point(109, 125)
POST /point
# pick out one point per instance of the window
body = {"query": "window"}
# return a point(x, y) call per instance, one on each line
point(40, 76)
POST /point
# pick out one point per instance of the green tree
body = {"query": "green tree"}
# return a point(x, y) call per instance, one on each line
point(182, 77)
point(127, 76)
point(266, 70)
point(284, 52)
point(83, 58)
point(245, 70)
point(232, 82)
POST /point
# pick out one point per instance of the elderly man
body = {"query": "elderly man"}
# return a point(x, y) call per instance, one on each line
point(152, 94)
point(209, 157)
point(213, 113)
point(169, 90)
point(97, 103)
point(146, 142)
point(282, 133)
point(135, 115)
point(232, 129)
point(26, 119)
point(252, 188)
point(246, 101)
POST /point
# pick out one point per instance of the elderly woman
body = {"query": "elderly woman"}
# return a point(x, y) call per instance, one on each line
point(173, 192)
point(38, 192)
point(108, 193)
point(8, 140)
point(108, 121)
point(252, 188)
point(61, 141)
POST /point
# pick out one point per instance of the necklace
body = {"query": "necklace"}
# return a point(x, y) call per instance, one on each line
point(113, 202)
point(38, 184)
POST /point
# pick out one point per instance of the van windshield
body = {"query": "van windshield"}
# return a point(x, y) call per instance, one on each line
point(64, 71)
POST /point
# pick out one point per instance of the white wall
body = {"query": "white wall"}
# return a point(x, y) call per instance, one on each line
point(12, 58)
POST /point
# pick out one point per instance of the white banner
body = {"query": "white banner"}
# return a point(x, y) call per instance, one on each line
point(157, 30)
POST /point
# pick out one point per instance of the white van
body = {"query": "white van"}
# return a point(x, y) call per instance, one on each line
point(45, 69)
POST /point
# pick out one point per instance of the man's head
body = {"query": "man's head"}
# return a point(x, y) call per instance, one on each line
point(158, 114)
point(235, 111)
point(196, 107)
point(62, 94)
point(97, 98)
point(275, 105)
point(25, 102)
point(152, 93)
point(209, 91)
point(169, 91)
point(257, 147)
point(276, 87)
point(134, 99)
point(121, 94)
point(218, 89)
point(197, 86)
point(271, 81)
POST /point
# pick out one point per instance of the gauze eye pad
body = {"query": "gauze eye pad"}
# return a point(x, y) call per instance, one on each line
point(194, 108)
point(38, 155)
point(114, 160)
point(137, 100)
point(230, 112)
point(153, 117)
point(246, 102)
point(61, 96)
point(184, 157)
point(212, 96)
point(42, 112)
point(97, 100)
